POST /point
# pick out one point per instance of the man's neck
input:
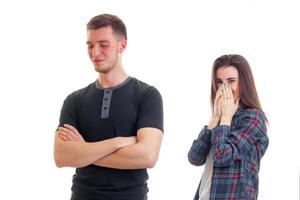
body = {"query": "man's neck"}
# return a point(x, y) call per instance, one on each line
point(112, 78)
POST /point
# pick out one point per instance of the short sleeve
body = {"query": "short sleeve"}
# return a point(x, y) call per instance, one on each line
point(68, 114)
point(150, 109)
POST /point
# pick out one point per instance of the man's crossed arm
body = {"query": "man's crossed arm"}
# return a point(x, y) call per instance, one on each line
point(120, 152)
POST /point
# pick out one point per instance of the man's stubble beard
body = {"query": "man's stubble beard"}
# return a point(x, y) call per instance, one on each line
point(109, 66)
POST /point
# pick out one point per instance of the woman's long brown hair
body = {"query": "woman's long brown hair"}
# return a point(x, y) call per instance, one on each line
point(247, 89)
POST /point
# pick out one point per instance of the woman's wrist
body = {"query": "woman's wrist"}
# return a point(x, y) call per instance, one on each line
point(225, 121)
point(213, 123)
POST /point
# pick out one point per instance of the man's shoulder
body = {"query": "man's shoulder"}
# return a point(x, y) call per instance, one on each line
point(143, 87)
point(80, 92)
point(145, 93)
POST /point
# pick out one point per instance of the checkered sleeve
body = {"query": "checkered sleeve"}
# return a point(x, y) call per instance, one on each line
point(231, 145)
point(200, 148)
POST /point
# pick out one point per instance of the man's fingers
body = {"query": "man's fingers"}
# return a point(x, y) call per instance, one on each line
point(72, 132)
point(69, 133)
point(66, 130)
point(64, 136)
point(72, 128)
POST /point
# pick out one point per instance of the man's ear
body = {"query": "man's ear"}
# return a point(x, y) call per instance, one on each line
point(122, 45)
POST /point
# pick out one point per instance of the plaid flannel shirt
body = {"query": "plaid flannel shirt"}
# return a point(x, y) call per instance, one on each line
point(236, 152)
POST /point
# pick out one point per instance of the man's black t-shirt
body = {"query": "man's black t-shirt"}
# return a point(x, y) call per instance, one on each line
point(102, 113)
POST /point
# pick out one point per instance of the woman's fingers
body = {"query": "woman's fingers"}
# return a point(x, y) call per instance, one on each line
point(218, 97)
point(219, 93)
point(237, 103)
point(219, 107)
point(228, 92)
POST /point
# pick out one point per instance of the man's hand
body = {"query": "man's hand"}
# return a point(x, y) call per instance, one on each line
point(69, 133)
point(141, 155)
point(71, 150)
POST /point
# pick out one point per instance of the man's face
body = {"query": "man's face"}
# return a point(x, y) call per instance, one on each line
point(104, 48)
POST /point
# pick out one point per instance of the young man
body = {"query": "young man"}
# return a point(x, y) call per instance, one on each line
point(111, 130)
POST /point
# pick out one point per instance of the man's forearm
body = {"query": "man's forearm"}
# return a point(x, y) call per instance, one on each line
point(81, 154)
point(131, 157)
point(143, 154)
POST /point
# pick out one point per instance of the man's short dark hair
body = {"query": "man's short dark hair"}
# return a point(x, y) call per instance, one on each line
point(105, 20)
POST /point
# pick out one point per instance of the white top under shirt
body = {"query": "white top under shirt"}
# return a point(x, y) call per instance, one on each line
point(204, 190)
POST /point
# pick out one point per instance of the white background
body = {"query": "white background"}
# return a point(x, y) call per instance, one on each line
point(171, 45)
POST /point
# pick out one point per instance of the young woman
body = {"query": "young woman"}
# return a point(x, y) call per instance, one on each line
point(234, 141)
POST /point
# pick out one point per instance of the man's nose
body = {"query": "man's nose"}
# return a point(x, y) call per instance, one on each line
point(96, 51)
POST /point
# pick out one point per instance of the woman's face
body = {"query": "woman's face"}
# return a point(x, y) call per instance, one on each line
point(231, 75)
